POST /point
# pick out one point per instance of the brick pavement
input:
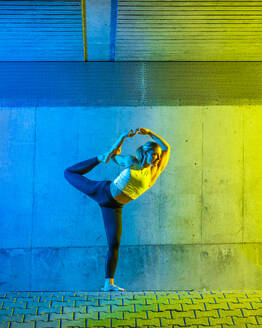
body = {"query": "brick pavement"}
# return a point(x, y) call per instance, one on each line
point(193, 309)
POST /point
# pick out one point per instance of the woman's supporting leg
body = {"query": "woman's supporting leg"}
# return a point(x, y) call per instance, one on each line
point(113, 226)
point(111, 211)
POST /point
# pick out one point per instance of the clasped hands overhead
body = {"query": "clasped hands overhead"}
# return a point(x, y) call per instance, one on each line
point(131, 133)
point(128, 134)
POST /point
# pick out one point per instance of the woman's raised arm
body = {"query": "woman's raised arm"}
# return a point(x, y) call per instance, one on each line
point(118, 144)
point(125, 161)
point(164, 145)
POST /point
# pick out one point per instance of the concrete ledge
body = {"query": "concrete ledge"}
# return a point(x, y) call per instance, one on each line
point(157, 267)
point(130, 83)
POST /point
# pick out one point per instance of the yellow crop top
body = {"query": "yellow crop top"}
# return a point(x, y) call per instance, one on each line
point(134, 182)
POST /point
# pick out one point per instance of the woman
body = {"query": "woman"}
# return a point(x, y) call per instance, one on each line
point(140, 174)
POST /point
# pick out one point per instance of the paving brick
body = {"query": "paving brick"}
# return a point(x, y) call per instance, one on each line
point(235, 298)
point(49, 324)
point(26, 299)
point(24, 311)
point(33, 301)
point(210, 300)
point(104, 308)
point(16, 294)
point(257, 299)
point(93, 302)
point(245, 305)
point(214, 326)
point(23, 325)
point(245, 296)
point(5, 324)
point(55, 297)
point(74, 298)
point(203, 314)
point(67, 309)
point(190, 301)
point(237, 320)
point(153, 294)
point(134, 302)
point(254, 312)
point(157, 301)
point(160, 300)
point(216, 306)
point(142, 307)
point(92, 315)
point(135, 315)
point(182, 314)
point(178, 322)
point(173, 307)
point(113, 295)
point(62, 316)
point(44, 304)
point(148, 322)
point(111, 302)
point(240, 325)
point(219, 297)
point(256, 305)
point(115, 315)
point(129, 308)
point(173, 295)
point(36, 294)
point(41, 317)
point(9, 304)
point(196, 306)
point(161, 314)
point(74, 323)
point(177, 301)
point(59, 304)
point(230, 313)
point(160, 293)
point(249, 325)
point(222, 320)
point(13, 318)
point(7, 312)
point(195, 321)
point(43, 310)
point(259, 319)
point(124, 323)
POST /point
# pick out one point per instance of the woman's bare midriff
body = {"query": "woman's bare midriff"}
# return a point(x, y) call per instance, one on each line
point(118, 195)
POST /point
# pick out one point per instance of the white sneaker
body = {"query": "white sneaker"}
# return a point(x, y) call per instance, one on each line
point(111, 287)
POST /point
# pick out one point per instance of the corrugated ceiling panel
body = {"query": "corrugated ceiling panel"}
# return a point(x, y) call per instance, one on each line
point(189, 30)
point(41, 30)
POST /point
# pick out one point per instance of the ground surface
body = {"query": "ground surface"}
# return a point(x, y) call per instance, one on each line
point(131, 309)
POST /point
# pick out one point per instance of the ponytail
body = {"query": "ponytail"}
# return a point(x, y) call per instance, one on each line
point(140, 156)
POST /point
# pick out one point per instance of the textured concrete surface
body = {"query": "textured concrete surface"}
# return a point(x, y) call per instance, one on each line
point(195, 309)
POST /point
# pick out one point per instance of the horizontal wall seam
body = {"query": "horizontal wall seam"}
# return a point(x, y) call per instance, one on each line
point(137, 245)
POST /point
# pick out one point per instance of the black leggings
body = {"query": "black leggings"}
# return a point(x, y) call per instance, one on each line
point(111, 209)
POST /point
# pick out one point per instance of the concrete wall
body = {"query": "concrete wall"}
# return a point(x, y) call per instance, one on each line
point(199, 226)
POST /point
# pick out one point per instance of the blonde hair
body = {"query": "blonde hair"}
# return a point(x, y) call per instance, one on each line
point(140, 152)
